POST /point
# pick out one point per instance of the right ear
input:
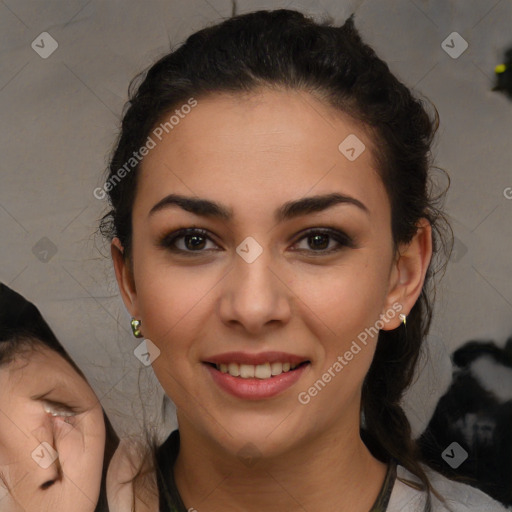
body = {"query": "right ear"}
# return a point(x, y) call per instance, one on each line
point(124, 277)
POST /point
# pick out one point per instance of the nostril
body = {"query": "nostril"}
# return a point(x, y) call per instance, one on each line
point(47, 484)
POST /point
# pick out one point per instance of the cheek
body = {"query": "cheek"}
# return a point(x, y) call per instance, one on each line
point(11, 439)
point(174, 303)
point(170, 297)
point(341, 301)
point(81, 452)
point(83, 440)
point(16, 427)
point(5, 499)
point(337, 307)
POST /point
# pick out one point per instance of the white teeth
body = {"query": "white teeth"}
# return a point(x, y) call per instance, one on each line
point(247, 371)
point(263, 371)
point(260, 371)
point(234, 369)
point(276, 368)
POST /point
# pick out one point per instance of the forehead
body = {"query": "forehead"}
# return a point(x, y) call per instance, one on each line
point(258, 146)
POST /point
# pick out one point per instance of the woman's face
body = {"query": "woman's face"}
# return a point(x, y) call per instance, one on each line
point(276, 277)
point(52, 435)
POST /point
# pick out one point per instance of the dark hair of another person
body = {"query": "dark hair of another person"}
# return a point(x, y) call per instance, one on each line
point(285, 50)
point(23, 328)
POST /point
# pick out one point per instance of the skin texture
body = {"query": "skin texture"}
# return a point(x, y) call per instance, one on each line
point(130, 458)
point(24, 425)
point(253, 153)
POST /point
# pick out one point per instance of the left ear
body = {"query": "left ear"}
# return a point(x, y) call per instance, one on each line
point(408, 272)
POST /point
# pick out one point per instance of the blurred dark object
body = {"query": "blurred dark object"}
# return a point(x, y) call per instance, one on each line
point(503, 74)
point(476, 413)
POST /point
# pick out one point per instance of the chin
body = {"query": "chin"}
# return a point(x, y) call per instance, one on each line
point(253, 435)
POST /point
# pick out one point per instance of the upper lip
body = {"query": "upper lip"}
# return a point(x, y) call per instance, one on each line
point(255, 359)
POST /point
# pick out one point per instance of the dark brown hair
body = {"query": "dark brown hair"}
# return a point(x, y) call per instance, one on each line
point(285, 49)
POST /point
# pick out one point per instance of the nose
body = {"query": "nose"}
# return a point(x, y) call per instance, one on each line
point(45, 464)
point(255, 295)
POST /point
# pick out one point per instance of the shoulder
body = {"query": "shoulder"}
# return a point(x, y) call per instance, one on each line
point(458, 497)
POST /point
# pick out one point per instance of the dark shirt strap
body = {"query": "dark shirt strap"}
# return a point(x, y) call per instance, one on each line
point(170, 499)
point(382, 501)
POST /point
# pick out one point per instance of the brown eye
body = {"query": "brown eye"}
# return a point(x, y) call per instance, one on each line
point(187, 240)
point(324, 241)
point(194, 242)
point(319, 241)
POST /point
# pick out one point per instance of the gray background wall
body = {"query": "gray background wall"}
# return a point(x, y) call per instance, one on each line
point(60, 115)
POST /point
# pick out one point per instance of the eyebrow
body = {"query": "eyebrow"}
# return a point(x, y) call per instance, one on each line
point(44, 396)
point(289, 210)
point(60, 400)
point(60, 389)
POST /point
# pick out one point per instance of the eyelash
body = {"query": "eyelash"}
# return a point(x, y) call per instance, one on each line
point(61, 411)
point(168, 241)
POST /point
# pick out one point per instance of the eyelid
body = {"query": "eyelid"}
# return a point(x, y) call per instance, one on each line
point(168, 240)
point(339, 236)
point(58, 409)
point(336, 234)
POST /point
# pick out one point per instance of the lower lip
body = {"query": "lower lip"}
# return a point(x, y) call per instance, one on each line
point(256, 389)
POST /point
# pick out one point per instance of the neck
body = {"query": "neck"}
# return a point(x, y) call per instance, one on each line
point(329, 471)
